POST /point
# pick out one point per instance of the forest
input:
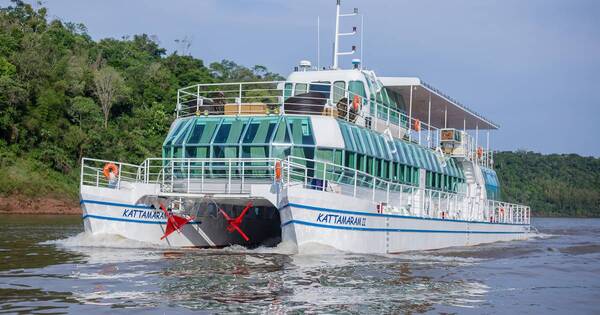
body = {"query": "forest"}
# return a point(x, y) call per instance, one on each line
point(64, 96)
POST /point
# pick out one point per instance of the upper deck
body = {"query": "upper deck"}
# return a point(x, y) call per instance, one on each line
point(356, 96)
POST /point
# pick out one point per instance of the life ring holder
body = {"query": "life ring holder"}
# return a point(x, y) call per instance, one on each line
point(278, 170)
point(479, 152)
point(356, 104)
point(417, 125)
point(110, 168)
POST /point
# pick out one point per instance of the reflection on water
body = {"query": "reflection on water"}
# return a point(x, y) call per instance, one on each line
point(48, 264)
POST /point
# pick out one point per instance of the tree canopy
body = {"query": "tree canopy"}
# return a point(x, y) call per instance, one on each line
point(59, 89)
point(553, 185)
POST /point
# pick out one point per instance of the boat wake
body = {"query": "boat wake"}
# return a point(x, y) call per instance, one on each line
point(85, 239)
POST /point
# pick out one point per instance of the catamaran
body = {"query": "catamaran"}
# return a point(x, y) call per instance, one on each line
point(331, 156)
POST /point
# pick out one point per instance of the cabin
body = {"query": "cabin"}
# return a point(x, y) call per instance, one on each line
point(391, 136)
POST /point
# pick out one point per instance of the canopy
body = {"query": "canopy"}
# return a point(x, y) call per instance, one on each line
point(442, 106)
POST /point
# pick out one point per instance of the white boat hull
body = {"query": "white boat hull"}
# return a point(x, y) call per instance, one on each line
point(306, 216)
point(352, 224)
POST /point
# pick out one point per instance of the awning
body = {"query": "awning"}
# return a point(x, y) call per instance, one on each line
point(442, 106)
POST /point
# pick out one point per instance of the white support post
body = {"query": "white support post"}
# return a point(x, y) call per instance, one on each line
point(188, 176)
point(239, 100)
point(178, 105)
point(336, 39)
point(202, 177)
point(400, 196)
point(373, 197)
point(387, 197)
point(355, 181)
point(197, 98)
point(172, 175)
point(487, 148)
point(429, 122)
point(439, 207)
point(324, 174)
point(289, 168)
point(229, 178)
point(375, 117)
point(410, 102)
point(242, 177)
point(446, 117)
point(119, 176)
point(476, 140)
point(466, 140)
point(388, 117)
point(305, 177)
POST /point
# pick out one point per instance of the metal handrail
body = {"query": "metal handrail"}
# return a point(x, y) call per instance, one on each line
point(234, 175)
point(268, 98)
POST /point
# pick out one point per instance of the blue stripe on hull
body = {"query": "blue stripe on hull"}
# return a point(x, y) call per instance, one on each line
point(106, 203)
point(392, 230)
point(100, 217)
point(313, 208)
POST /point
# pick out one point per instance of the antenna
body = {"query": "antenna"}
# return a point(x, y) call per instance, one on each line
point(336, 52)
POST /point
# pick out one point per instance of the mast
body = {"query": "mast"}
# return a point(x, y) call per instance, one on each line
point(336, 38)
point(336, 41)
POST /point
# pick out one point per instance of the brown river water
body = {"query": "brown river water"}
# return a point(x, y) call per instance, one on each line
point(48, 265)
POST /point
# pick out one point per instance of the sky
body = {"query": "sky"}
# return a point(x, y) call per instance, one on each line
point(531, 66)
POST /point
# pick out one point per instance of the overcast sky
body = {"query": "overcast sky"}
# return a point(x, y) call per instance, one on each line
point(531, 66)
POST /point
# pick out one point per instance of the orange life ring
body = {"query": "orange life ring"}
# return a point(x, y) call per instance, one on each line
point(278, 170)
point(356, 103)
point(479, 152)
point(417, 125)
point(110, 168)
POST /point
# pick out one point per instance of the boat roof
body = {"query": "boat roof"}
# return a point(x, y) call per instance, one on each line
point(330, 75)
point(459, 116)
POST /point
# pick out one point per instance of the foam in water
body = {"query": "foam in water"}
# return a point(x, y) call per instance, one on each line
point(108, 248)
point(85, 239)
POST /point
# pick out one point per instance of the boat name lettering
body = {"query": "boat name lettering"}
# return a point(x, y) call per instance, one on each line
point(341, 219)
point(143, 214)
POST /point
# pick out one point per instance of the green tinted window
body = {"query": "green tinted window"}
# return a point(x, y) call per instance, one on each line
point(301, 88)
point(282, 135)
point(287, 92)
point(325, 155)
point(230, 131)
point(357, 88)
point(350, 160)
point(259, 130)
point(178, 140)
point(301, 130)
point(347, 135)
point(179, 125)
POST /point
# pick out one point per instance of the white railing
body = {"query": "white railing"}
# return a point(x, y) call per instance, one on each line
point(181, 176)
point(273, 98)
point(92, 173)
point(408, 199)
point(263, 98)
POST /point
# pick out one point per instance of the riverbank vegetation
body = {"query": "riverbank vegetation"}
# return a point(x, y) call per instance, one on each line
point(64, 96)
point(553, 185)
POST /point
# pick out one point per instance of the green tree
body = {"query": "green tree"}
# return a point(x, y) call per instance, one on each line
point(108, 86)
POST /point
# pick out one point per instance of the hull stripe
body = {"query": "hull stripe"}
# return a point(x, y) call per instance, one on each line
point(100, 217)
point(106, 203)
point(363, 229)
point(313, 208)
